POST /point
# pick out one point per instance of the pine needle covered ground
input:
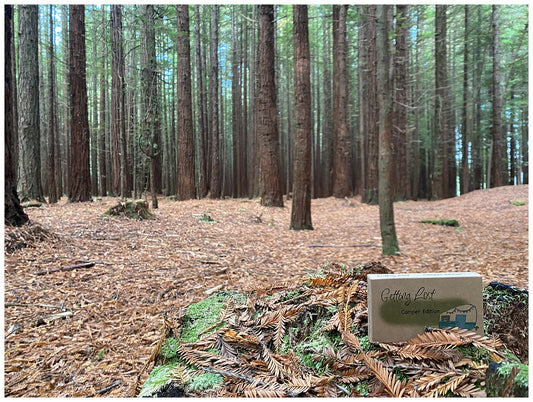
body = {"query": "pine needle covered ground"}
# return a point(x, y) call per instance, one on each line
point(86, 295)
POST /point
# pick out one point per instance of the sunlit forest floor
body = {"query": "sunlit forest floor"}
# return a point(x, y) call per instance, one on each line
point(144, 268)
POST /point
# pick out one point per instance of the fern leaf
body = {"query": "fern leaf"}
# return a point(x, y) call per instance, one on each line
point(393, 387)
point(449, 385)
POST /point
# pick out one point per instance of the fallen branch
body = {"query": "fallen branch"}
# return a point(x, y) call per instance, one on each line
point(50, 318)
point(32, 305)
point(343, 246)
point(66, 268)
point(104, 390)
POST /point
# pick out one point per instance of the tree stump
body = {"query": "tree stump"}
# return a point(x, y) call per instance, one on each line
point(137, 209)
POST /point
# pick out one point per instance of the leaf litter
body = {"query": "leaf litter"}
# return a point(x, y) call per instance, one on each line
point(146, 269)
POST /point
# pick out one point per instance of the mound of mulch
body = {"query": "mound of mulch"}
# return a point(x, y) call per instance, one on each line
point(308, 338)
point(28, 235)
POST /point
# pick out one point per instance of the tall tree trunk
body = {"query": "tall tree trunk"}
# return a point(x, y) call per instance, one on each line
point(465, 134)
point(384, 78)
point(29, 115)
point(102, 172)
point(80, 178)
point(341, 172)
point(477, 167)
point(267, 122)
point(94, 117)
point(415, 167)
point(244, 115)
point(186, 182)
point(202, 126)
point(14, 215)
point(496, 132)
point(117, 99)
point(149, 135)
point(255, 173)
point(236, 108)
point(369, 107)
point(52, 117)
point(327, 121)
point(65, 160)
point(400, 127)
point(440, 177)
point(216, 182)
point(301, 190)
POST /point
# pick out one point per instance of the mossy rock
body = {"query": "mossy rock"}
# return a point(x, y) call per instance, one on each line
point(442, 222)
point(137, 209)
point(305, 338)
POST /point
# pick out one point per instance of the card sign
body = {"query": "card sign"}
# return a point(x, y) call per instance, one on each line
point(400, 306)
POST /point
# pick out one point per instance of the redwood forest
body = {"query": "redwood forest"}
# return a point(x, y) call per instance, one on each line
point(266, 159)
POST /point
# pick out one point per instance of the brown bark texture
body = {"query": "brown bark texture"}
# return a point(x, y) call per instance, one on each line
point(80, 178)
point(186, 183)
point(341, 173)
point(267, 122)
point(14, 215)
point(28, 103)
point(301, 190)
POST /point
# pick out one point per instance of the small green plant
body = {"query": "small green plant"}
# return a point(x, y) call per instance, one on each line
point(101, 353)
point(207, 218)
point(442, 222)
point(522, 378)
point(518, 203)
point(169, 348)
point(204, 381)
point(201, 316)
point(159, 377)
point(362, 388)
point(365, 344)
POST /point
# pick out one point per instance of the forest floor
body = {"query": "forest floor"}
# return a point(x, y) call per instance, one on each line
point(144, 268)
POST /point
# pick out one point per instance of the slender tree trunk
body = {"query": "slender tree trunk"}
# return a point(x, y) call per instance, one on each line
point(14, 215)
point(369, 107)
point(244, 112)
point(477, 166)
point(65, 160)
point(301, 190)
point(149, 136)
point(117, 105)
point(102, 172)
point(29, 115)
point(80, 179)
point(496, 132)
point(267, 122)
point(186, 182)
point(236, 109)
point(400, 127)
point(465, 119)
point(440, 177)
point(327, 131)
point(341, 173)
point(216, 183)
point(52, 117)
point(94, 117)
point(202, 127)
point(384, 78)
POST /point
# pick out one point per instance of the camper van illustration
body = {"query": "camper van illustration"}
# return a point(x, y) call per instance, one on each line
point(464, 317)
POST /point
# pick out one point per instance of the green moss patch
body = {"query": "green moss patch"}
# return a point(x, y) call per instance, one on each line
point(442, 222)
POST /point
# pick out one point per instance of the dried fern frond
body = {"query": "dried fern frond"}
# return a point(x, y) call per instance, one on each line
point(416, 352)
point(470, 391)
point(454, 337)
point(448, 386)
point(354, 374)
point(393, 387)
point(180, 373)
point(430, 380)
